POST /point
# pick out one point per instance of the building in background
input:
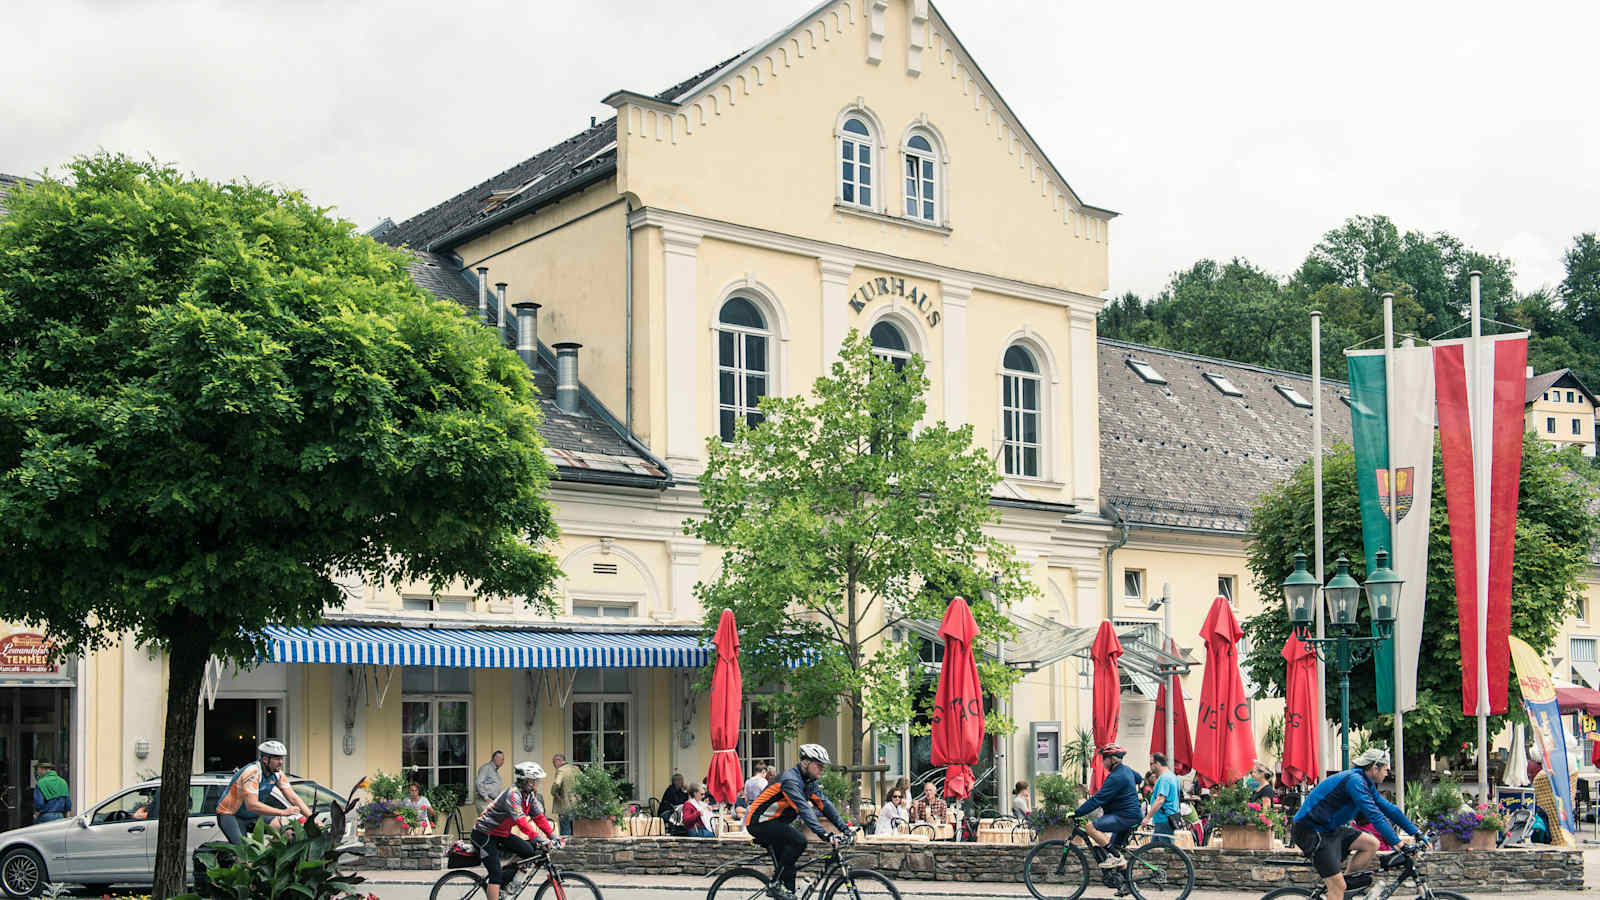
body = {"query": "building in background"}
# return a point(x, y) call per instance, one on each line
point(1561, 411)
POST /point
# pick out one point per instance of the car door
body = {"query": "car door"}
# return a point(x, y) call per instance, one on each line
point(117, 839)
point(202, 819)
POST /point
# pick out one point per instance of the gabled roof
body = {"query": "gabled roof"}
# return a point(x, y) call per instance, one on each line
point(1562, 378)
point(575, 163)
point(1185, 455)
point(589, 446)
point(6, 183)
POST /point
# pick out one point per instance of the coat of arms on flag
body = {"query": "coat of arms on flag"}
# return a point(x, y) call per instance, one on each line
point(1404, 480)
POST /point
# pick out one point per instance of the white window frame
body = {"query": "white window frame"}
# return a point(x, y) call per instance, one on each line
point(1014, 414)
point(873, 141)
point(1232, 592)
point(741, 405)
point(433, 698)
point(631, 741)
point(1144, 585)
point(745, 759)
point(1049, 397)
point(1572, 656)
point(629, 602)
point(906, 335)
point(409, 603)
point(766, 302)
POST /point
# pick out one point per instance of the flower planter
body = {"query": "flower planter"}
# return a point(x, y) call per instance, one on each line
point(1481, 840)
point(1234, 837)
point(601, 828)
point(391, 825)
point(1055, 832)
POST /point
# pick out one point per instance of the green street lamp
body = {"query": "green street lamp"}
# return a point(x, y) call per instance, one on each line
point(1343, 648)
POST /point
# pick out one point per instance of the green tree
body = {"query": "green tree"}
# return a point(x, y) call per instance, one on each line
point(215, 401)
point(1556, 528)
point(842, 515)
point(1580, 289)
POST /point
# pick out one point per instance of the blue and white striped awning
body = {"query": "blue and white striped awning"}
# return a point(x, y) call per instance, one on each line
point(483, 648)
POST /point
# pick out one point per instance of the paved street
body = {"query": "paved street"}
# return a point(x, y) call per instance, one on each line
point(405, 886)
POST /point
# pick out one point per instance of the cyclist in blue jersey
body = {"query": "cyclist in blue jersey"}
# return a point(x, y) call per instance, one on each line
point(1322, 826)
point(1118, 802)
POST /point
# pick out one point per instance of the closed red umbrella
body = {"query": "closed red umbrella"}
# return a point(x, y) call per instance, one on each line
point(1224, 749)
point(724, 779)
point(1107, 695)
point(958, 703)
point(1182, 758)
point(1300, 714)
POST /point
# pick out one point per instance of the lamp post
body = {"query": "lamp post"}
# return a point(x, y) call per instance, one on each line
point(1343, 648)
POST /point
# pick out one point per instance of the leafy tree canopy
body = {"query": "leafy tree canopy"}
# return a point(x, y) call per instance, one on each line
point(843, 514)
point(214, 401)
point(1556, 528)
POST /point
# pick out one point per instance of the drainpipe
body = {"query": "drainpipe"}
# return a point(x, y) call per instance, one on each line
point(483, 295)
point(627, 316)
point(500, 309)
point(1111, 595)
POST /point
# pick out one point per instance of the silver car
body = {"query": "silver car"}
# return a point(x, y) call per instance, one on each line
point(114, 841)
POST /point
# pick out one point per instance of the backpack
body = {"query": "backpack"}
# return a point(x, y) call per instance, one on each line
point(463, 855)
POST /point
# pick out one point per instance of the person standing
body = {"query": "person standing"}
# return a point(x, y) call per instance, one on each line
point(563, 792)
point(488, 783)
point(757, 782)
point(52, 799)
point(1164, 801)
point(415, 799)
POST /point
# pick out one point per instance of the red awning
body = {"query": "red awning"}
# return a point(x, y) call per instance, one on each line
point(1578, 699)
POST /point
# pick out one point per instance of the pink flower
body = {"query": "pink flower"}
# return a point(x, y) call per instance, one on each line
point(1254, 806)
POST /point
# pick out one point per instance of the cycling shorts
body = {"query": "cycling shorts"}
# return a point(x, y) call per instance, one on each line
point(1325, 850)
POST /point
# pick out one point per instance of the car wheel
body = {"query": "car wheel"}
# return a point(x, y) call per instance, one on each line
point(21, 872)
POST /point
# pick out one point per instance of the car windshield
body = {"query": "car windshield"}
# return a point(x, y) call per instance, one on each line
point(139, 803)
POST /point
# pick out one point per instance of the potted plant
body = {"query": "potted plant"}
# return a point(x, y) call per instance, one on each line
point(1058, 797)
point(1077, 755)
point(1243, 823)
point(445, 800)
point(836, 787)
point(596, 812)
point(385, 813)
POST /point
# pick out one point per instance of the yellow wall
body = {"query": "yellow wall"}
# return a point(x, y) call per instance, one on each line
point(1557, 407)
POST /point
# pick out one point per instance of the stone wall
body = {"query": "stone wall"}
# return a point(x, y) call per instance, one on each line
point(385, 851)
point(1240, 870)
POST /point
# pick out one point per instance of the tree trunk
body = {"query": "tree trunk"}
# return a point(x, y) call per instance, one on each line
point(186, 666)
point(855, 701)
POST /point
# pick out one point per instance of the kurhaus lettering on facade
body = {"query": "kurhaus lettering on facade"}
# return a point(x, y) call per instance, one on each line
point(892, 286)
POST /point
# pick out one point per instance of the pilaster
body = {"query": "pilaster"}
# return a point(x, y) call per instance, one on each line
point(1085, 414)
point(953, 298)
point(681, 248)
point(835, 298)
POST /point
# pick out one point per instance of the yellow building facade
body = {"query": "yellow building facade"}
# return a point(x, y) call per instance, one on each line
point(1561, 411)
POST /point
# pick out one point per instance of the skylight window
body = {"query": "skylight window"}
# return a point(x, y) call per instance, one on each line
point(1221, 383)
point(1146, 372)
point(1293, 396)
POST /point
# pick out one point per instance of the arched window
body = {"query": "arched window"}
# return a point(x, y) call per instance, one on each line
point(855, 160)
point(921, 177)
point(1019, 412)
point(743, 337)
point(889, 344)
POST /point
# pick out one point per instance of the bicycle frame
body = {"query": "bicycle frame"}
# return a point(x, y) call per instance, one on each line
point(834, 864)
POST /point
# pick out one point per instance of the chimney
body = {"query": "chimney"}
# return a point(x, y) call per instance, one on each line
point(528, 331)
point(567, 376)
point(483, 295)
point(500, 308)
point(1530, 371)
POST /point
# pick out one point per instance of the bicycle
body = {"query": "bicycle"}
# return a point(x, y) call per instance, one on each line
point(463, 884)
point(837, 879)
point(1059, 870)
point(1407, 859)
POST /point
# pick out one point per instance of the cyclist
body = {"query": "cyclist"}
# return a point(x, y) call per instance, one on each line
point(250, 793)
point(1118, 802)
point(518, 807)
point(794, 794)
point(1322, 829)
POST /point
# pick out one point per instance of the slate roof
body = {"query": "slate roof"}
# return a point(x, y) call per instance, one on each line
point(571, 165)
point(1538, 384)
point(6, 183)
point(1183, 454)
point(588, 446)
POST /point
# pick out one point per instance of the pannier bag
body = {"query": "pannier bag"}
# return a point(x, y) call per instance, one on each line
point(463, 855)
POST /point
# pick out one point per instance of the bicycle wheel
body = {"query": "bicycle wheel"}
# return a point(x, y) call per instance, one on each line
point(1448, 895)
point(1160, 872)
point(863, 884)
point(1056, 870)
point(458, 885)
point(739, 884)
point(572, 887)
point(1285, 893)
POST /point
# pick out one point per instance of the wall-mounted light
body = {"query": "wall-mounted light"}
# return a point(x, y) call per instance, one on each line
point(141, 748)
point(349, 744)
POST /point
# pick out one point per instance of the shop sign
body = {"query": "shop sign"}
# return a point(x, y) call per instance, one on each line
point(890, 286)
point(25, 653)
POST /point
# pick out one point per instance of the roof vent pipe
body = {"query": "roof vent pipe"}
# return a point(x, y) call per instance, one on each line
point(483, 295)
point(567, 376)
point(500, 308)
point(528, 331)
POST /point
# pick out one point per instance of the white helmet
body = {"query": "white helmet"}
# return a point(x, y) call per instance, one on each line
point(815, 753)
point(272, 748)
point(528, 769)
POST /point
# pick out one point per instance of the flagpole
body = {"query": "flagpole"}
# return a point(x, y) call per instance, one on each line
point(1482, 404)
point(1399, 758)
point(1316, 478)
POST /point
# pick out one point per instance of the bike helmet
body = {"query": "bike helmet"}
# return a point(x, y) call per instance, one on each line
point(528, 770)
point(815, 753)
point(1113, 750)
point(1373, 756)
point(272, 748)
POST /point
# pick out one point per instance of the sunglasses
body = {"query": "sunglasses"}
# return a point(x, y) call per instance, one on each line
point(895, 796)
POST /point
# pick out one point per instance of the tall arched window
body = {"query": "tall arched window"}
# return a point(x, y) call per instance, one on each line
point(889, 343)
point(1019, 412)
point(922, 183)
point(743, 337)
point(855, 160)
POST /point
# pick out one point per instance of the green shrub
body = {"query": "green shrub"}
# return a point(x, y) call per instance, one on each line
point(1442, 800)
point(444, 799)
point(836, 787)
point(297, 862)
point(387, 787)
point(596, 794)
point(1058, 797)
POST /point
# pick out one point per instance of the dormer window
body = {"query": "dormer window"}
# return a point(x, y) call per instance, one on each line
point(1146, 371)
point(1221, 383)
point(1293, 396)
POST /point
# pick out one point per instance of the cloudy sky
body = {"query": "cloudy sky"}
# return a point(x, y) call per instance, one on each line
point(1224, 129)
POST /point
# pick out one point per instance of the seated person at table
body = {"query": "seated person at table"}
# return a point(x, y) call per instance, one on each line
point(930, 807)
point(671, 799)
point(895, 811)
point(696, 813)
point(1020, 807)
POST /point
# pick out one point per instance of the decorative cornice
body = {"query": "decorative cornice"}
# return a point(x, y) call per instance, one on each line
point(668, 220)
